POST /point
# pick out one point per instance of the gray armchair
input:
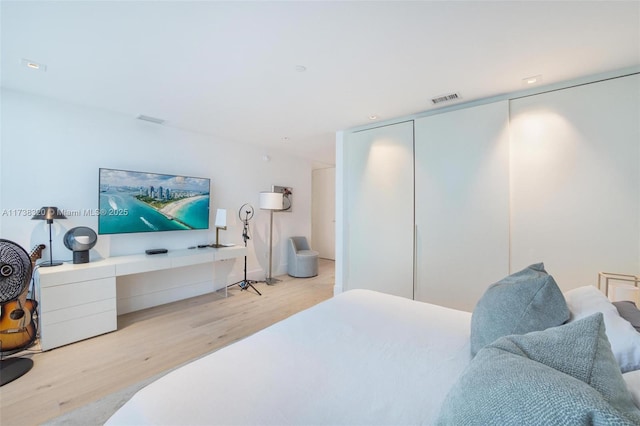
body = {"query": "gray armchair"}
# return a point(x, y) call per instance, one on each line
point(302, 261)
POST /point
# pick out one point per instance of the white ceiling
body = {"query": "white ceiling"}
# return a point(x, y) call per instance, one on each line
point(228, 69)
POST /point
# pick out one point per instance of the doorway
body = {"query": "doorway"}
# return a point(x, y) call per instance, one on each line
point(323, 212)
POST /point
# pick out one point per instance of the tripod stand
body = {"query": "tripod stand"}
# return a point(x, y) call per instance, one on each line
point(248, 214)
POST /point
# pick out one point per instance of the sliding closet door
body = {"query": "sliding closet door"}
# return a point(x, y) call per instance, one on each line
point(575, 177)
point(462, 204)
point(378, 180)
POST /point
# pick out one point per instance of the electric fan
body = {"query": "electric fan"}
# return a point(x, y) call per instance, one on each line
point(15, 275)
point(80, 240)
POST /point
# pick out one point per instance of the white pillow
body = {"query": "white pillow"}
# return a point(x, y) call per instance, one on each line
point(632, 379)
point(624, 339)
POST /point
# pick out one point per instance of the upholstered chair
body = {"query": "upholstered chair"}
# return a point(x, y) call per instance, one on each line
point(302, 261)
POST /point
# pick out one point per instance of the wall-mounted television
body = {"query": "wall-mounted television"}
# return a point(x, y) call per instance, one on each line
point(149, 202)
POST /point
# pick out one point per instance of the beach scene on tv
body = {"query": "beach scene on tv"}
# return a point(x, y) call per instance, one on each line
point(147, 202)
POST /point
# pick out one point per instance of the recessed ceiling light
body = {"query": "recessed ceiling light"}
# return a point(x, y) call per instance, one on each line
point(373, 117)
point(33, 65)
point(301, 68)
point(536, 79)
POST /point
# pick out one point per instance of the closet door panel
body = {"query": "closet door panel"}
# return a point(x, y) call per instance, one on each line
point(462, 204)
point(379, 205)
point(575, 177)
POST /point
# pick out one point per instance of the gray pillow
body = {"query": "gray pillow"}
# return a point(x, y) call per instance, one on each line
point(564, 375)
point(526, 301)
point(628, 310)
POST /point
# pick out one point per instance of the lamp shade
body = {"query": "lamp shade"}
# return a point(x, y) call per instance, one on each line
point(221, 218)
point(48, 214)
point(271, 200)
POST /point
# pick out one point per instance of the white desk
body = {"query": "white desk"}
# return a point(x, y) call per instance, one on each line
point(79, 301)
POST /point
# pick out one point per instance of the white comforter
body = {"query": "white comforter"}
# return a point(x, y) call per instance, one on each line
point(359, 358)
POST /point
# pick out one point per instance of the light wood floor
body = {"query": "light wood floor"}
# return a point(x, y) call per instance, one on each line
point(149, 342)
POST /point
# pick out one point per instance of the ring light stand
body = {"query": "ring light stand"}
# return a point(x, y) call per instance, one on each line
point(245, 214)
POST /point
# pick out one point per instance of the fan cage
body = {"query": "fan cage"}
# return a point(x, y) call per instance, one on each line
point(15, 270)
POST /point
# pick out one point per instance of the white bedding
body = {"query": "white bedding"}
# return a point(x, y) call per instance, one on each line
point(632, 379)
point(359, 358)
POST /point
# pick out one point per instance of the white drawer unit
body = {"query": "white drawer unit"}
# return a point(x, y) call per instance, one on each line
point(76, 302)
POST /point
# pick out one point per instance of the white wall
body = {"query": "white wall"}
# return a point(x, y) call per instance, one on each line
point(462, 203)
point(575, 181)
point(379, 210)
point(341, 213)
point(51, 151)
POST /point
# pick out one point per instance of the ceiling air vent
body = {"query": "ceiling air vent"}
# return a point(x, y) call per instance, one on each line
point(446, 98)
point(150, 119)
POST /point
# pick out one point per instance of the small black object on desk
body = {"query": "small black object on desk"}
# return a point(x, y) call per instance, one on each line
point(156, 251)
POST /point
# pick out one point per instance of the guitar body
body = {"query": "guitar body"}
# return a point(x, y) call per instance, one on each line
point(17, 327)
point(17, 324)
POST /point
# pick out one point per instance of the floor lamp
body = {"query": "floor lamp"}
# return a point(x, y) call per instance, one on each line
point(271, 201)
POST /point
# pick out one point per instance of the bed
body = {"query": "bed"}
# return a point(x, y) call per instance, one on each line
point(362, 357)
point(359, 358)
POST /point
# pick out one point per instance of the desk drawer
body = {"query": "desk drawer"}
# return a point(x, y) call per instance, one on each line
point(77, 312)
point(230, 252)
point(61, 275)
point(75, 294)
point(194, 259)
point(71, 331)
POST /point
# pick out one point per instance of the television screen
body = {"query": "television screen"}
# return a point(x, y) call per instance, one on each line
point(148, 202)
